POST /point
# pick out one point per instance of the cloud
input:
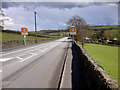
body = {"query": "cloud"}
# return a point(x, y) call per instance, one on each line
point(8, 21)
point(5, 19)
point(60, 5)
point(34, 5)
point(57, 13)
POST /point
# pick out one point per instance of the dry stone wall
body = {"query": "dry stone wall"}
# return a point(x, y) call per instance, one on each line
point(11, 44)
point(98, 79)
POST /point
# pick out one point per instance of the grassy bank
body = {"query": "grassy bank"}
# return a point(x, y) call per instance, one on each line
point(12, 36)
point(106, 56)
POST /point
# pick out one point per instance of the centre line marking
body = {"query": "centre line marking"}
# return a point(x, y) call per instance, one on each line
point(19, 58)
point(33, 53)
point(27, 58)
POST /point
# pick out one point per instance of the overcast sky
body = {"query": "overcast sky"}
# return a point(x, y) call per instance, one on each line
point(53, 15)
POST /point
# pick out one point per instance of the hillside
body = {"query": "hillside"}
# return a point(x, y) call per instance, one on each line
point(16, 35)
point(98, 28)
point(13, 36)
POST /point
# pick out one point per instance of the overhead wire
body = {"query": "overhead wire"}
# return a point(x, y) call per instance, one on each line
point(36, 13)
point(45, 21)
point(23, 7)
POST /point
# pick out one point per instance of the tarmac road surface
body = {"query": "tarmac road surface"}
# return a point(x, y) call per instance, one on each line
point(39, 66)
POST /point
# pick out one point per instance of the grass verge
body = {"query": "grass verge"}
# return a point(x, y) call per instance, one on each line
point(106, 56)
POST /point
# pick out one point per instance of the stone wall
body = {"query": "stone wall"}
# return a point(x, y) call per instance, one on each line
point(98, 79)
point(11, 44)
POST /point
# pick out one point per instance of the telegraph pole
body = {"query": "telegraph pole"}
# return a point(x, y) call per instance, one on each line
point(35, 28)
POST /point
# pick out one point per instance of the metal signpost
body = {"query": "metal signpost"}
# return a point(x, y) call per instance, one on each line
point(72, 31)
point(24, 31)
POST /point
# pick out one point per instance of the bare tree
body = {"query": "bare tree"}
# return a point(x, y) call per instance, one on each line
point(76, 21)
point(81, 25)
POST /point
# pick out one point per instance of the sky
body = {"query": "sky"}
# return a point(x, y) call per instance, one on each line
point(53, 15)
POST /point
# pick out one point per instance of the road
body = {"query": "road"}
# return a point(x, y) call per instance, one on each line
point(39, 66)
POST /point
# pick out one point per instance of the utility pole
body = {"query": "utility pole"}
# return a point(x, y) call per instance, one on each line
point(35, 28)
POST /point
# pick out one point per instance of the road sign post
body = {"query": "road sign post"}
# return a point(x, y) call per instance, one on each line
point(73, 32)
point(24, 32)
point(73, 40)
point(24, 40)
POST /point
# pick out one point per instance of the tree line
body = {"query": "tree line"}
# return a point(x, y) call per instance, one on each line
point(86, 34)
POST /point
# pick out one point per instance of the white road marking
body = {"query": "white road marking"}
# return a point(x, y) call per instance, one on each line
point(4, 59)
point(22, 60)
point(23, 49)
point(0, 71)
point(27, 58)
point(44, 50)
point(19, 58)
point(33, 53)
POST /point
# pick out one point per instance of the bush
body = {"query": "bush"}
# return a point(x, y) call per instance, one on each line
point(117, 42)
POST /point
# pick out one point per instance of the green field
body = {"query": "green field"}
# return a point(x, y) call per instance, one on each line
point(11, 36)
point(52, 36)
point(105, 27)
point(106, 56)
